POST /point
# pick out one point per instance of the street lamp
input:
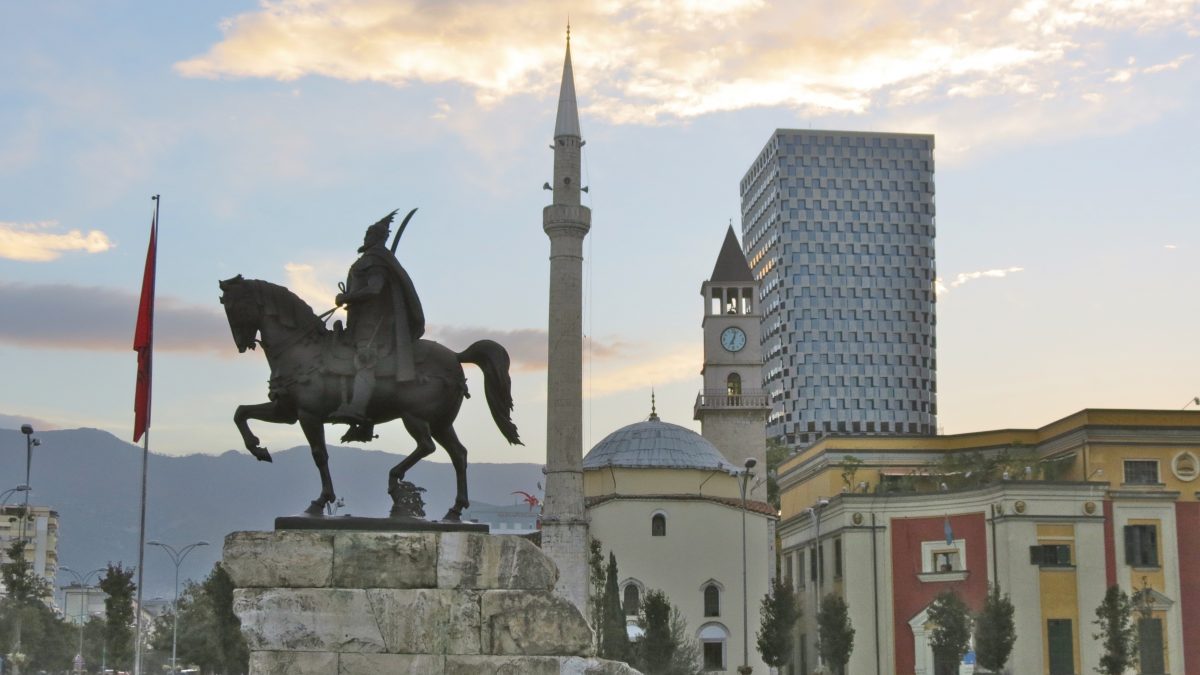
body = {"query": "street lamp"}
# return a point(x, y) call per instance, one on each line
point(177, 557)
point(814, 512)
point(30, 444)
point(83, 585)
point(745, 669)
point(9, 492)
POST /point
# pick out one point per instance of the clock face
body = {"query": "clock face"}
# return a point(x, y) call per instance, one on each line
point(733, 339)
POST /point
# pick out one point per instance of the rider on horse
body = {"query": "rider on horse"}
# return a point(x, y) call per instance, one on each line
point(384, 320)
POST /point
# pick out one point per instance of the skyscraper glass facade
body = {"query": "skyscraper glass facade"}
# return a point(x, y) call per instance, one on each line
point(839, 229)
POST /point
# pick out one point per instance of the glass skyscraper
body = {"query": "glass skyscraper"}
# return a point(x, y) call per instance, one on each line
point(838, 227)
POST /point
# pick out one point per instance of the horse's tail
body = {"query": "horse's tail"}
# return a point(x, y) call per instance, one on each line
point(493, 360)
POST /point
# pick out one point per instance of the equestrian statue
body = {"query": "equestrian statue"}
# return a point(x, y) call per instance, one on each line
point(376, 370)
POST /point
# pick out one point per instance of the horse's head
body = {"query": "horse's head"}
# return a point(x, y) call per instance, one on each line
point(243, 311)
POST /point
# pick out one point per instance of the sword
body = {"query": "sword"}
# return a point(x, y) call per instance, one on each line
point(400, 230)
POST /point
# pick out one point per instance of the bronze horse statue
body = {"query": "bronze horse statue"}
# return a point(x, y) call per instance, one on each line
point(310, 375)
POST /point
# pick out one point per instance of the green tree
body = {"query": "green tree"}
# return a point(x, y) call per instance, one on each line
point(951, 633)
point(614, 639)
point(850, 467)
point(596, 574)
point(777, 454)
point(117, 583)
point(778, 614)
point(995, 631)
point(665, 649)
point(834, 633)
point(1114, 617)
point(209, 632)
point(27, 625)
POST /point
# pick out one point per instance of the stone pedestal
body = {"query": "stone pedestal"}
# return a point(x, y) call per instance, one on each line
point(325, 602)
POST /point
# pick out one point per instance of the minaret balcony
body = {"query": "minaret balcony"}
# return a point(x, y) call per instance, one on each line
point(723, 399)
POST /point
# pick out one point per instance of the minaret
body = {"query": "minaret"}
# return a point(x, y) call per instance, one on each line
point(566, 222)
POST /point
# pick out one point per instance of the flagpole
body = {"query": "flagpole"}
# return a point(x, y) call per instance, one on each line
point(137, 645)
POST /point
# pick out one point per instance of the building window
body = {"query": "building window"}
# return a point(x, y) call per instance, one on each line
point(1141, 472)
point(812, 564)
point(712, 600)
point(938, 556)
point(837, 558)
point(800, 570)
point(1150, 647)
point(713, 638)
point(733, 384)
point(658, 525)
point(714, 656)
point(1141, 545)
point(632, 601)
point(1050, 555)
point(1061, 646)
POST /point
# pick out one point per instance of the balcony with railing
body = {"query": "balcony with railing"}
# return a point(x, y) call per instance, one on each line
point(723, 399)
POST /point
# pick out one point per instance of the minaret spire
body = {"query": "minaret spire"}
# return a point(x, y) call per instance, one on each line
point(566, 222)
point(568, 111)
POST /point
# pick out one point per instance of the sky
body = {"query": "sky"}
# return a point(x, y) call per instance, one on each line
point(1067, 136)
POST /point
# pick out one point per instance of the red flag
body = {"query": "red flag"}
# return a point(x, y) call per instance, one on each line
point(143, 336)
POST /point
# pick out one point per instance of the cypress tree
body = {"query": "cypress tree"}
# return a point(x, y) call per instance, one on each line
point(614, 640)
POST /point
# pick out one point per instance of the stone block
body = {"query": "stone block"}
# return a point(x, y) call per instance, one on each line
point(391, 664)
point(534, 665)
point(576, 665)
point(427, 621)
point(308, 619)
point(385, 560)
point(532, 623)
point(502, 665)
point(293, 663)
point(279, 559)
point(480, 561)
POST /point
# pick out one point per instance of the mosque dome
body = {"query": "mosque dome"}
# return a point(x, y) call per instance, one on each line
point(656, 444)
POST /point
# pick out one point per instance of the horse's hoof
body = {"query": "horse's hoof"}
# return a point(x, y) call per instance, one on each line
point(452, 517)
point(316, 508)
point(260, 453)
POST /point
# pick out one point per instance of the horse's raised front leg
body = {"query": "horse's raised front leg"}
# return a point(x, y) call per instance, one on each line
point(420, 432)
point(458, 456)
point(314, 431)
point(273, 412)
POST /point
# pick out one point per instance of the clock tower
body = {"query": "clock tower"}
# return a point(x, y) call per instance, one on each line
point(732, 407)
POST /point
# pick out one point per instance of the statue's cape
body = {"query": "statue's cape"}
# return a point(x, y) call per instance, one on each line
point(408, 317)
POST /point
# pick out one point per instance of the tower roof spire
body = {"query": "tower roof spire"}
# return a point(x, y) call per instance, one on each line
point(567, 123)
point(731, 262)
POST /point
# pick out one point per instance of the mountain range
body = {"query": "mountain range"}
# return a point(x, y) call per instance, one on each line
point(92, 479)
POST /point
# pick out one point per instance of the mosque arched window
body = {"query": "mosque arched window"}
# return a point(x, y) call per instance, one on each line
point(658, 525)
point(712, 600)
point(631, 603)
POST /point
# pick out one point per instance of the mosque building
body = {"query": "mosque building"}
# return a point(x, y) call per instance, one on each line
point(682, 511)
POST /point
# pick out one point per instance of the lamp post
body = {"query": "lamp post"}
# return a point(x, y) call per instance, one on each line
point(814, 511)
point(83, 585)
point(745, 669)
point(177, 557)
point(11, 491)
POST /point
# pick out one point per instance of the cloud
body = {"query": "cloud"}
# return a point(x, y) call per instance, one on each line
point(650, 61)
point(963, 277)
point(65, 316)
point(679, 362)
point(526, 346)
point(35, 242)
point(1170, 247)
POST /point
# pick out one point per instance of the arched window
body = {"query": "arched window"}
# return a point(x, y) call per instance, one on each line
point(658, 525)
point(632, 601)
point(712, 600)
point(733, 384)
point(713, 639)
